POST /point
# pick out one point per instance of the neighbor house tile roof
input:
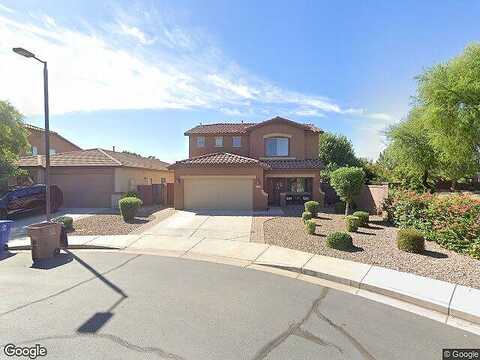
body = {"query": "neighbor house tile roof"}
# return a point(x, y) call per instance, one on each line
point(94, 157)
point(243, 128)
point(220, 159)
point(294, 164)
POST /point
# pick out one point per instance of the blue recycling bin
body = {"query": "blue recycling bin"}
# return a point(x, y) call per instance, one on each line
point(5, 226)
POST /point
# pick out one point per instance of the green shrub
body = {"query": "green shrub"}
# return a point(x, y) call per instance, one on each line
point(312, 207)
point(347, 182)
point(307, 215)
point(128, 207)
point(130, 194)
point(339, 241)
point(410, 240)
point(474, 250)
point(340, 207)
point(66, 221)
point(352, 223)
point(364, 217)
point(310, 226)
point(452, 221)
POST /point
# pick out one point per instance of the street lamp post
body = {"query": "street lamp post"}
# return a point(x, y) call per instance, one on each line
point(28, 54)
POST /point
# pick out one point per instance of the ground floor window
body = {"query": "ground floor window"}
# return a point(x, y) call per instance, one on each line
point(299, 185)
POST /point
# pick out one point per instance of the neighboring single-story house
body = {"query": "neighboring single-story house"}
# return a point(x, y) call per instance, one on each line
point(96, 177)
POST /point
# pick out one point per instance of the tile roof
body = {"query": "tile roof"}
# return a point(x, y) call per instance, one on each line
point(94, 157)
point(220, 159)
point(243, 127)
point(294, 164)
point(221, 128)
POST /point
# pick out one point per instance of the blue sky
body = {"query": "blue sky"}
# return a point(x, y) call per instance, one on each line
point(136, 75)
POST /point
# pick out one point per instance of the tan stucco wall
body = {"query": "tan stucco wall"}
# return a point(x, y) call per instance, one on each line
point(37, 139)
point(211, 148)
point(259, 196)
point(127, 179)
point(303, 144)
point(296, 143)
point(371, 198)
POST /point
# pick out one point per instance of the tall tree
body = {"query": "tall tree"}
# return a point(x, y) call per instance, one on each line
point(449, 95)
point(410, 150)
point(13, 140)
point(336, 150)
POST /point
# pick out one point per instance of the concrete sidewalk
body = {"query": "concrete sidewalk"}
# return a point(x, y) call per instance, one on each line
point(449, 301)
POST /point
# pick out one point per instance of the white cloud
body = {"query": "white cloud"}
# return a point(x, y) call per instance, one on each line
point(136, 33)
point(97, 69)
point(6, 9)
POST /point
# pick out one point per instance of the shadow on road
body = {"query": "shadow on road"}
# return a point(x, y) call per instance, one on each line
point(6, 254)
point(51, 263)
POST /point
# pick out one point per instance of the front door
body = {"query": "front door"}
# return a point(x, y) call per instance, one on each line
point(275, 187)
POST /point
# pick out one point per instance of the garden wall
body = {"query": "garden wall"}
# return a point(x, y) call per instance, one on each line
point(371, 198)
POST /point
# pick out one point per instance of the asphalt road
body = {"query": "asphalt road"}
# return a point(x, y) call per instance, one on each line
point(122, 306)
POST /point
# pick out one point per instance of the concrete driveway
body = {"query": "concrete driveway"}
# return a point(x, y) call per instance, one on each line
point(205, 224)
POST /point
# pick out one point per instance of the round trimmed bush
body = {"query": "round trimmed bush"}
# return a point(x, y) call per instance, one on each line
point(128, 207)
point(66, 221)
point(312, 207)
point(352, 223)
point(310, 226)
point(130, 194)
point(306, 215)
point(339, 207)
point(410, 240)
point(339, 241)
point(363, 216)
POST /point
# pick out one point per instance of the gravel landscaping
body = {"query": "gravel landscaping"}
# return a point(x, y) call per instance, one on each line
point(113, 223)
point(373, 245)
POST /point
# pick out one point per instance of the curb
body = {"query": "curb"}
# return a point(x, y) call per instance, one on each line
point(72, 247)
point(447, 309)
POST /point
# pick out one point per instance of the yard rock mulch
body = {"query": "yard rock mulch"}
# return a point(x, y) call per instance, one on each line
point(106, 224)
point(374, 245)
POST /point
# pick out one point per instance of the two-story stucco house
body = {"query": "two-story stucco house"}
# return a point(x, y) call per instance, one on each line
point(248, 166)
point(36, 139)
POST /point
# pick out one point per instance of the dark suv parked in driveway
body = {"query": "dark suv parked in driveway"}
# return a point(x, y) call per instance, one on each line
point(19, 199)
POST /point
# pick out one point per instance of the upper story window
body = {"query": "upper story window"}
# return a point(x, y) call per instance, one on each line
point(34, 150)
point(53, 151)
point(200, 141)
point(237, 141)
point(276, 146)
point(218, 141)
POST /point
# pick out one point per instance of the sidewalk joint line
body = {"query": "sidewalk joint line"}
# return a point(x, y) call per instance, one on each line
point(268, 247)
point(364, 276)
point(199, 226)
point(188, 250)
point(450, 302)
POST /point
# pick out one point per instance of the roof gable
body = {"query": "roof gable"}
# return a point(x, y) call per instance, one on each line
point(244, 128)
point(219, 159)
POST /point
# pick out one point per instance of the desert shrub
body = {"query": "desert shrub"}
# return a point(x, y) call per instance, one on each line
point(363, 216)
point(339, 241)
point(347, 182)
point(130, 194)
point(352, 223)
point(312, 207)
point(340, 207)
point(410, 240)
point(310, 226)
point(66, 221)
point(453, 221)
point(474, 250)
point(128, 207)
point(306, 215)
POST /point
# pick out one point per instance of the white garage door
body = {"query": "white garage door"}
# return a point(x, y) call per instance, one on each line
point(218, 193)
